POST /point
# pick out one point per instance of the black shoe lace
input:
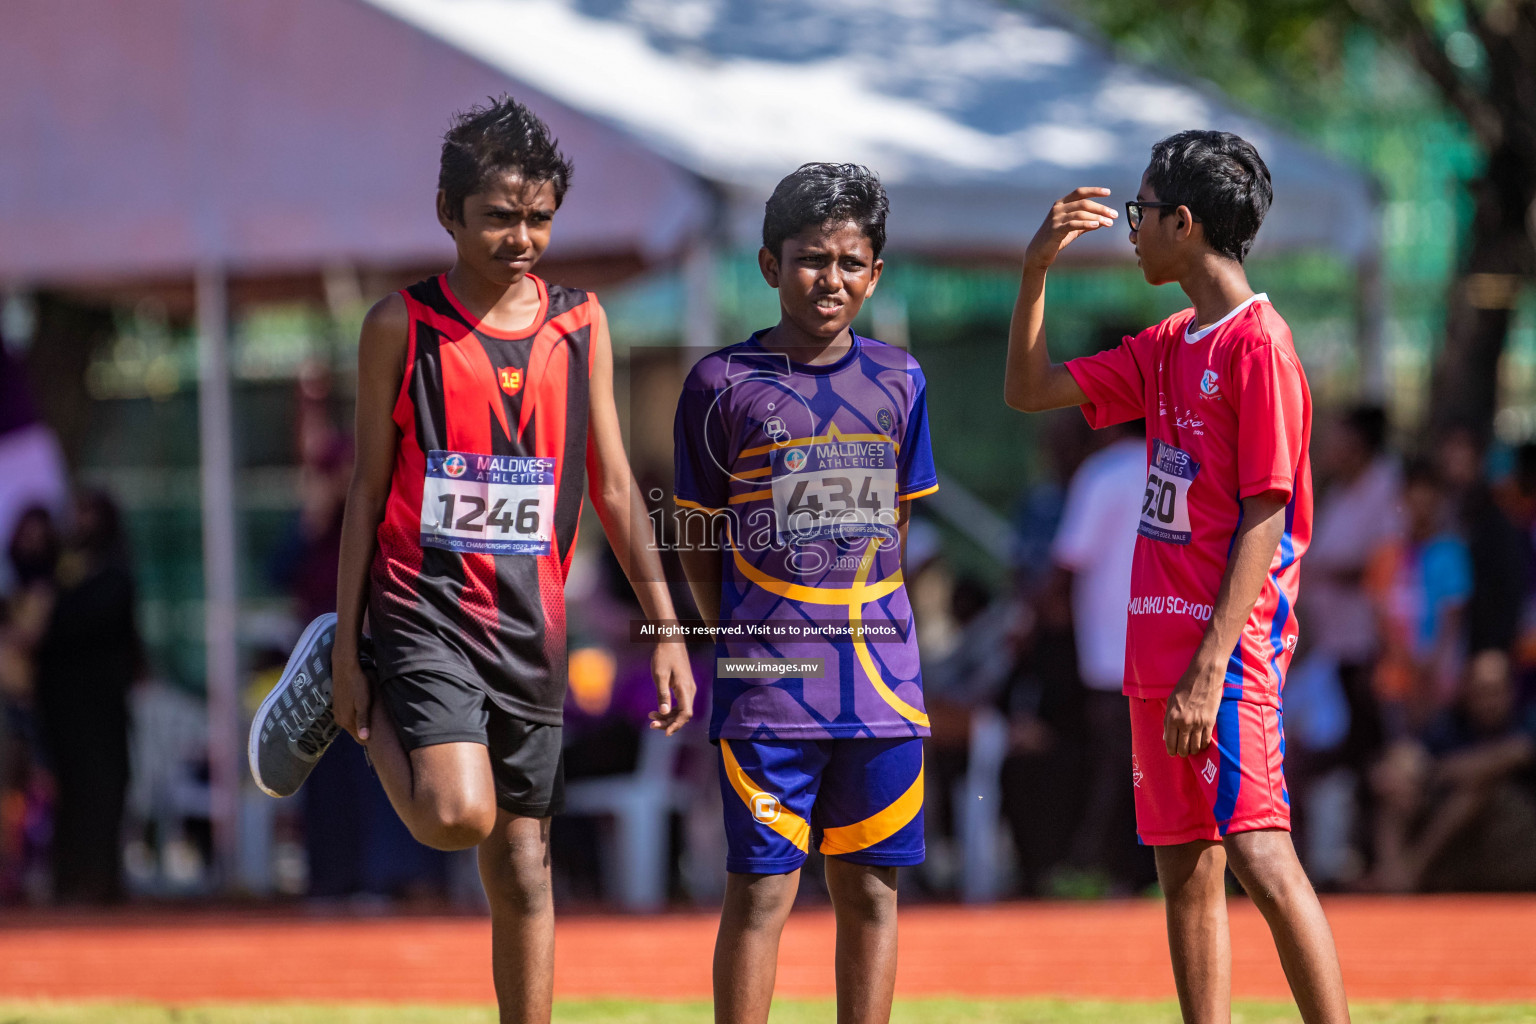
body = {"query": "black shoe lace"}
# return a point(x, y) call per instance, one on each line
point(314, 739)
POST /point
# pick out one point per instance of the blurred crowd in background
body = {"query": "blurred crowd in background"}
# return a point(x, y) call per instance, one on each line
point(69, 654)
point(1410, 711)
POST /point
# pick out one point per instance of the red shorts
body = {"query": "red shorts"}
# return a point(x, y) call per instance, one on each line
point(1237, 784)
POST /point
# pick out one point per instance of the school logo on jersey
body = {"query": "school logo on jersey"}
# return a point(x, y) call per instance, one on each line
point(1208, 386)
point(765, 808)
point(885, 419)
point(794, 459)
point(454, 465)
point(511, 379)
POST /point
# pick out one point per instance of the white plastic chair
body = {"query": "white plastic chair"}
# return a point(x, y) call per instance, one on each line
point(169, 736)
point(978, 802)
point(641, 805)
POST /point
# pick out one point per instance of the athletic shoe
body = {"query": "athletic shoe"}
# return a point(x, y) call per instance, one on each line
point(296, 723)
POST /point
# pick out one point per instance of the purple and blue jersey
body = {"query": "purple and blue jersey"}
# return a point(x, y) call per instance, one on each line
point(807, 465)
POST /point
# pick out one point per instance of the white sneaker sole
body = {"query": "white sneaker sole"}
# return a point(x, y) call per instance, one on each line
point(295, 661)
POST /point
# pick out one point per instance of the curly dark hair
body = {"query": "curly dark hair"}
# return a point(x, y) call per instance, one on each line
point(818, 193)
point(485, 141)
point(1222, 180)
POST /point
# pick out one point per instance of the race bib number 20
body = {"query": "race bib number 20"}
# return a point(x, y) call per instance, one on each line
point(488, 504)
point(1165, 503)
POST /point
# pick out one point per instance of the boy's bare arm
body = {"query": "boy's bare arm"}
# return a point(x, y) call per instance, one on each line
point(1191, 717)
point(381, 354)
point(702, 566)
point(621, 508)
point(1031, 382)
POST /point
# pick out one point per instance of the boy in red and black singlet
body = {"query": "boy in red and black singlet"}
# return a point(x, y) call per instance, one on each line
point(501, 475)
point(485, 401)
point(1224, 520)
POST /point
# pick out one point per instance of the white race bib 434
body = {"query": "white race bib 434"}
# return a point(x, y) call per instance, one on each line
point(841, 489)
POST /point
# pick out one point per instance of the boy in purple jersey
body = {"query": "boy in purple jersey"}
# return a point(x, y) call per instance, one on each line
point(797, 452)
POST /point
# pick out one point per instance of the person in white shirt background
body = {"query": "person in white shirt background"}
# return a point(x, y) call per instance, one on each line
point(1092, 553)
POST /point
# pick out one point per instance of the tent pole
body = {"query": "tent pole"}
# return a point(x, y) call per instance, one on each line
point(1371, 311)
point(701, 312)
point(220, 585)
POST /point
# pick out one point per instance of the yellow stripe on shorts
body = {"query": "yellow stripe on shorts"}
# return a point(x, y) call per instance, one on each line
point(861, 835)
point(785, 822)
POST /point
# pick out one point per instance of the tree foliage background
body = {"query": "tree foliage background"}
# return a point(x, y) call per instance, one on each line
point(1296, 62)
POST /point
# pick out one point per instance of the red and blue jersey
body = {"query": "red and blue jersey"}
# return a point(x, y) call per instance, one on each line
point(804, 466)
point(1229, 417)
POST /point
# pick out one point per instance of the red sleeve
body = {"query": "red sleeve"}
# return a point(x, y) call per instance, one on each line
point(1272, 412)
point(1114, 382)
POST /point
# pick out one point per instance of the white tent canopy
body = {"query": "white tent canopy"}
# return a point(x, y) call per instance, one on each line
point(156, 136)
point(977, 115)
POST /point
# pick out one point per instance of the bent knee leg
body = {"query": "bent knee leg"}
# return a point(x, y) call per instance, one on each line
point(451, 824)
point(453, 799)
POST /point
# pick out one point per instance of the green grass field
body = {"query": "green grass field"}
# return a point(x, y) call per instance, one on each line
point(908, 1011)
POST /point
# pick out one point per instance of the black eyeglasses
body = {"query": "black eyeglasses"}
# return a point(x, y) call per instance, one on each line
point(1135, 210)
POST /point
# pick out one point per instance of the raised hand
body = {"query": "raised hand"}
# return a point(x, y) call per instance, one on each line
point(1071, 215)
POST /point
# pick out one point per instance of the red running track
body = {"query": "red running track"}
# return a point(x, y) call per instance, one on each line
point(1423, 948)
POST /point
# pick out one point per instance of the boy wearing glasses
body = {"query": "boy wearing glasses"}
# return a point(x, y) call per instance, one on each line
point(1225, 518)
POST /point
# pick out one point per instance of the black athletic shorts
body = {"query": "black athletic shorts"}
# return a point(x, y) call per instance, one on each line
point(526, 758)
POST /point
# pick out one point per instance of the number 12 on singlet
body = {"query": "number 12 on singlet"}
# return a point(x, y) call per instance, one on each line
point(488, 504)
point(1165, 503)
